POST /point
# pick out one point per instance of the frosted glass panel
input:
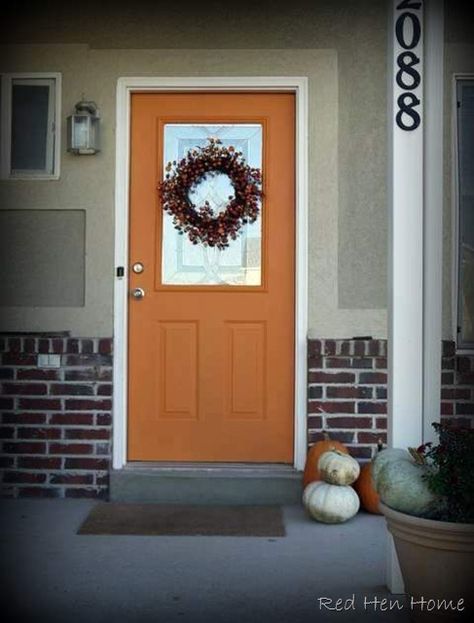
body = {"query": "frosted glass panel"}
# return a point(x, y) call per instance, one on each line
point(30, 110)
point(184, 263)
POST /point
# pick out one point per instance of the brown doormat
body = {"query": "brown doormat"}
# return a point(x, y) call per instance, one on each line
point(174, 520)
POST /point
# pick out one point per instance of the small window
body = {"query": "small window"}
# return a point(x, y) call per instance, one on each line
point(30, 115)
point(465, 213)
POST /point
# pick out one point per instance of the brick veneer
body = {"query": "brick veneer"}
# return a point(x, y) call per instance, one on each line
point(55, 422)
point(347, 391)
point(457, 386)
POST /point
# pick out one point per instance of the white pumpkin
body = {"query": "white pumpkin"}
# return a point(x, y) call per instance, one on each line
point(337, 468)
point(331, 503)
point(401, 485)
point(308, 490)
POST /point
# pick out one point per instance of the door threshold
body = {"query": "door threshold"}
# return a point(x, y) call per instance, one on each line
point(206, 483)
point(207, 466)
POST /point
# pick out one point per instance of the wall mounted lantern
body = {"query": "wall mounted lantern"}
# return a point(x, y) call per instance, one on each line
point(83, 136)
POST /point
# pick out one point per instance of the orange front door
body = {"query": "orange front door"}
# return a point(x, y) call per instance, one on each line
point(211, 343)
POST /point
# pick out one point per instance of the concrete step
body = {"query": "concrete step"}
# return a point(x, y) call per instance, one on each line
point(201, 483)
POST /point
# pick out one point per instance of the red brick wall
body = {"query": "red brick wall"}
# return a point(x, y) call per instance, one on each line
point(457, 391)
point(347, 391)
point(55, 427)
point(55, 430)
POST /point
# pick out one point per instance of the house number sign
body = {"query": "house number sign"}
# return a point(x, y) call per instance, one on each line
point(408, 49)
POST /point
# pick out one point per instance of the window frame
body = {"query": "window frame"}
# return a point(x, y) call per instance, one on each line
point(462, 347)
point(53, 144)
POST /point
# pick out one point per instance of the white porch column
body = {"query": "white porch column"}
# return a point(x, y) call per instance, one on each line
point(405, 313)
point(415, 96)
point(405, 330)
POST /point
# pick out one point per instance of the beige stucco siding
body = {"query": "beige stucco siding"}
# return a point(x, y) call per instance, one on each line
point(342, 50)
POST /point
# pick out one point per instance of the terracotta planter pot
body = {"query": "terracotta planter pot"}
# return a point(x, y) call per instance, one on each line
point(437, 563)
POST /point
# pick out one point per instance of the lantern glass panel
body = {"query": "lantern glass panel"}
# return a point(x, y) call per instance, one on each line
point(81, 131)
point(94, 133)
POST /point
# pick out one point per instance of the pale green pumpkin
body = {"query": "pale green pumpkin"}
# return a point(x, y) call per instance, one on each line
point(400, 483)
point(386, 456)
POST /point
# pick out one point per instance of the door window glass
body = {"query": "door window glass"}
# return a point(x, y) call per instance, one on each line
point(185, 263)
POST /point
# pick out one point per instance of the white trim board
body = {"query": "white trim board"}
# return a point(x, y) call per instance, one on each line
point(127, 86)
point(433, 215)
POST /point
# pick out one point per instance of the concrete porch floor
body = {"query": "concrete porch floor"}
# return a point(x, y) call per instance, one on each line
point(49, 573)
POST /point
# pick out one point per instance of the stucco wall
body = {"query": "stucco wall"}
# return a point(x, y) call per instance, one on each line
point(341, 48)
point(31, 244)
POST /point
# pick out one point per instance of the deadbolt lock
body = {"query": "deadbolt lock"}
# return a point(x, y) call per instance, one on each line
point(138, 268)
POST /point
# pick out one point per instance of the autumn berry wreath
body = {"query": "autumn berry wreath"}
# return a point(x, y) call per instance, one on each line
point(200, 223)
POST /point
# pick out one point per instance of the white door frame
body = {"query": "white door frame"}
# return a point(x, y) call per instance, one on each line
point(127, 86)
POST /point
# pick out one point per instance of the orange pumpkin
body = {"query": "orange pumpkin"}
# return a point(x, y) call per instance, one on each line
point(364, 486)
point(311, 471)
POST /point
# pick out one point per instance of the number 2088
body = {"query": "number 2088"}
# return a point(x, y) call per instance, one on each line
point(408, 78)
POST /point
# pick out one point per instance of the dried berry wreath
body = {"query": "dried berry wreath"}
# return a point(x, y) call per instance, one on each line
point(200, 223)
